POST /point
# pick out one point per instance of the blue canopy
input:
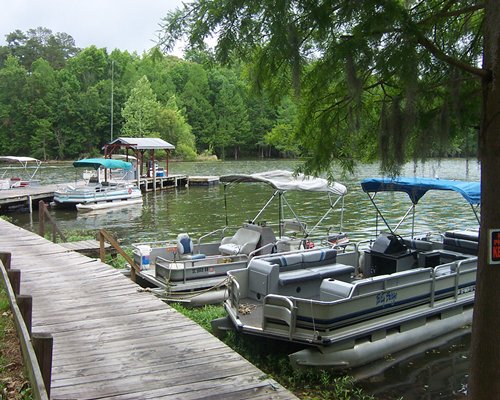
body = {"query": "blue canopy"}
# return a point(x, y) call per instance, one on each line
point(417, 187)
point(103, 162)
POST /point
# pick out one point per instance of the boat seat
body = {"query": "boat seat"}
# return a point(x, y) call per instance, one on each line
point(460, 245)
point(185, 248)
point(322, 255)
point(287, 261)
point(244, 241)
point(460, 234)
point(298, 276)
point(334, 271)
point(417, 244)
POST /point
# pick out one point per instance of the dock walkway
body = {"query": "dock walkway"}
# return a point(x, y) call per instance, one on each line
point(113, 341)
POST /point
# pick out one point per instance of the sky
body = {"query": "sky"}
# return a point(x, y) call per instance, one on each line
point(123, 24)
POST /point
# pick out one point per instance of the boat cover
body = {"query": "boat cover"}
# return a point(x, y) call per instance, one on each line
point(418, 187)
point(19, 159)
point(286, 180)
point(103, 162)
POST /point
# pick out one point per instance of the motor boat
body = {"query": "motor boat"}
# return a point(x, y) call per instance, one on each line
point(183, 263)
point(100, 190)
point(18, 172)
point(377, 297)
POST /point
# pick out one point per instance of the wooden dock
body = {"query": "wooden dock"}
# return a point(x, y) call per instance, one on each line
point(206, 180)
point(163, 182)
point(90, 248)
point(27, 196)
point(113, 341)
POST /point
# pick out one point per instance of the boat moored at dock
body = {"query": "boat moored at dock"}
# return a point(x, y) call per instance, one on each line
point(186, 264)
point(98, 193)
point(346, 309)
point(18, 172)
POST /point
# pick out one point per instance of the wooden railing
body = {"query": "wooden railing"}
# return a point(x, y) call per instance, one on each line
point(43, 213)
point(36, 348)
point(105, 236)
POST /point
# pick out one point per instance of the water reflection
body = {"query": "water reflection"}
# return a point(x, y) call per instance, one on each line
point(438, 374)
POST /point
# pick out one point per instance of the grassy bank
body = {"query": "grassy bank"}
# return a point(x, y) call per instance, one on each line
point(13, 382)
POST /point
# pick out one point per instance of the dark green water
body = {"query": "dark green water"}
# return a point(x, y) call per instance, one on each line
point(439, 374)
point(198, 210)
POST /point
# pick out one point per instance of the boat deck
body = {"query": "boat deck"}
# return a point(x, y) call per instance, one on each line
point(112, 340)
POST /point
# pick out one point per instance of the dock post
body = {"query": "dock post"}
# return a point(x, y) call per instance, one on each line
point(30, 204)
point(15, 280)
point(25, 304)
point(41, 219)
point(5, 257)
point(43, 344)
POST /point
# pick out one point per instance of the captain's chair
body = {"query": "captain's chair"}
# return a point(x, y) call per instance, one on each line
point(185, 248)
point(244, 241)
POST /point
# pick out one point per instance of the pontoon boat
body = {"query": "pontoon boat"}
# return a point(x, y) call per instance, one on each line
point(183, 263)
point(380, 296)
point(18, 171)
point(98, 193)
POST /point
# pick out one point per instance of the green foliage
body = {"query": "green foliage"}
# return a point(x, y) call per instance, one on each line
point(13, 382)
point(140, 111)
point(325, 82)
point(395, 80)
point(202, 315)
point(39, 43)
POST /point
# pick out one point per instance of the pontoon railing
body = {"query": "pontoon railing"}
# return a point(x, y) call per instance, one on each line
point(234, 293)
point(279, 308)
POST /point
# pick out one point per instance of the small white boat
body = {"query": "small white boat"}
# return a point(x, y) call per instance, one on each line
point(353, 307)
point(183, 264)
point(99, 194)
point(18, 172)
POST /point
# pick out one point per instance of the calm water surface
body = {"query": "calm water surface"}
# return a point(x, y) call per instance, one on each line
point(437, 374)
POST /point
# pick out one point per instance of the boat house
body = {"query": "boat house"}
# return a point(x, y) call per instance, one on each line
point(137, 147)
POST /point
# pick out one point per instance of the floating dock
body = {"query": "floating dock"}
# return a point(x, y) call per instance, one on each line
point(29, 196)
point(112, 340)
point(163, 182)
point(203, 180)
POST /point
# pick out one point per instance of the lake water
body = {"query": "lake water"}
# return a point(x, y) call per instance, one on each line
point(437, 374)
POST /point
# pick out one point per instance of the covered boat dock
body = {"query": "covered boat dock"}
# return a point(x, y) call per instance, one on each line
point(150, 175)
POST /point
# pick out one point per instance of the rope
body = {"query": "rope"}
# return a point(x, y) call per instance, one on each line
point(191, 294)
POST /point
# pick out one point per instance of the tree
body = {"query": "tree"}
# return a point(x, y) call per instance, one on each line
point(416, 61)
point(14, 135)
point(282, 135)
point(140, 111)
point(41, 43)
point(232, 123)
point(174, 129)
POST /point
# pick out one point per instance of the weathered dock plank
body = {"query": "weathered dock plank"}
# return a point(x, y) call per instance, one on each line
point(89, 247)
point(114, 340)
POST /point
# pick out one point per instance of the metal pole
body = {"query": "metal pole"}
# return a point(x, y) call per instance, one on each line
point(112, 90)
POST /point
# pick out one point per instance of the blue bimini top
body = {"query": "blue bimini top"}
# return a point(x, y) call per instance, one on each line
point(415, 188)
point(103, 162)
